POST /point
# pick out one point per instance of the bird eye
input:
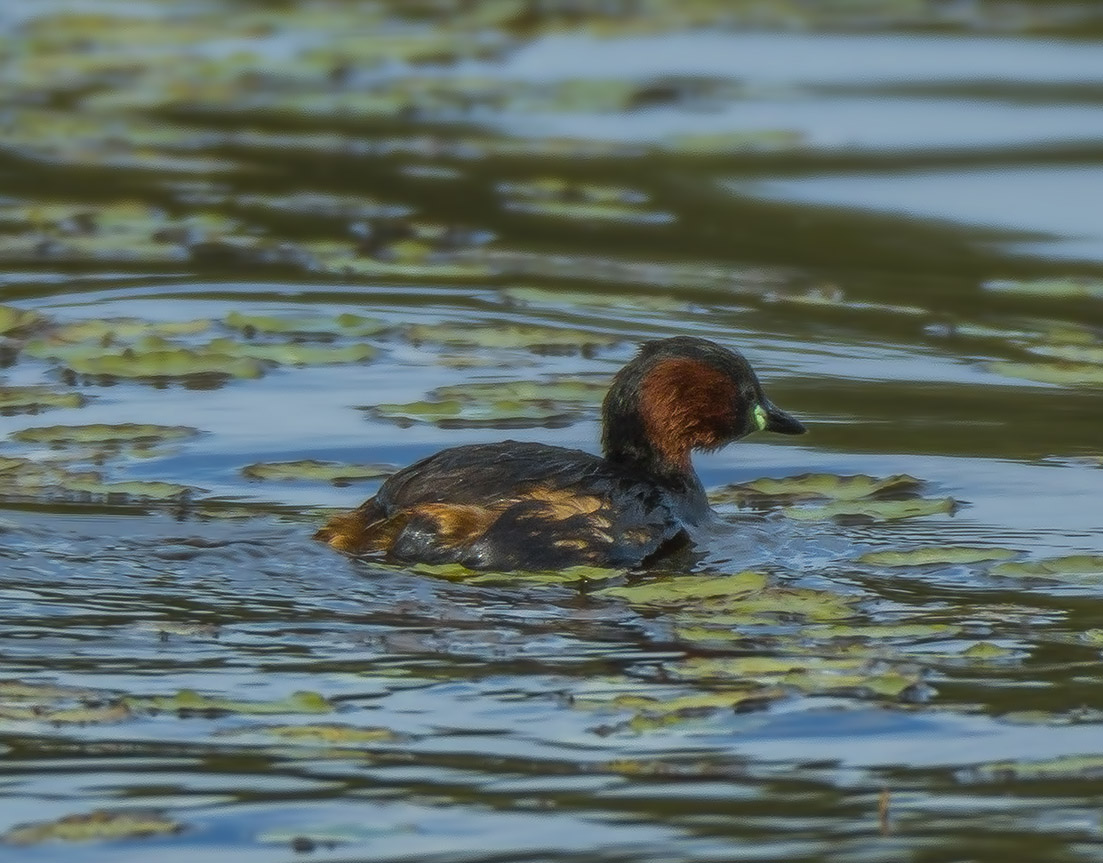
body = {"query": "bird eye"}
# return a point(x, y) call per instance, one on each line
point(760, 418)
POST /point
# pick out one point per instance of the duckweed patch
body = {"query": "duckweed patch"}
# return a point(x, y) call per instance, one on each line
point(785, 603)
point(938, 555)
point(1075, 354)
point(134, 349)
point(1062, 373)
point(1074, 567)
point(680, 590)
point(874, 510)
point(112, 331)
point(1049, 769)
point(27, 478)
point(344, 324)
point(83, 715)
point(34, 399)
point(593, 299)
point(452, 413)
point(124, 232)
point(808, 674)
point(312, 470)
point(505, 335)
point(1071, 287)
point(986, 650)
point(345, 735)
point(882, 631)
point(292, 354)
point(504, 404)
point(58, 706)
point(569, 575)
point(561, 390)
point(861, 498)
point(651, 714)
point(188, 701)
point(159, 364)
point(728, 143)
point(99, 825)
point(832, 298)
point(13, 319)
point(817, 486)
point(584, 202)
point(131, 434)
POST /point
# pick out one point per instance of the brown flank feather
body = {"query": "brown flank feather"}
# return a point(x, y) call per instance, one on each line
point(367, 529)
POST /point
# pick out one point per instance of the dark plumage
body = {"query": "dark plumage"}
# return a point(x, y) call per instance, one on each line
point(515, 506)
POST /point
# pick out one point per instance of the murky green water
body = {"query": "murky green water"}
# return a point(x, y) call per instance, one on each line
point(332, 232)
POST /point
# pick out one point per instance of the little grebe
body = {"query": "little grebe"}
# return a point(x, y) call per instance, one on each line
point(517, 506)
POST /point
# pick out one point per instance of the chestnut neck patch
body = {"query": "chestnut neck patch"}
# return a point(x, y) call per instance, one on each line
point(686, 404)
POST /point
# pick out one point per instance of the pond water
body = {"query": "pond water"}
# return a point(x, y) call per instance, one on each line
point(252, 261)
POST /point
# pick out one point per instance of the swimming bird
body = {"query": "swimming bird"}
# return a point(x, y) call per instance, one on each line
point(531, 506)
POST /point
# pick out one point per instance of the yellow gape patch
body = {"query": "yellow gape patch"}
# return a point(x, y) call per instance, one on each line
point(760, 417)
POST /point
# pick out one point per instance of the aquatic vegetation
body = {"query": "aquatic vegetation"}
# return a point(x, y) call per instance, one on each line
point(1043, 769)
point(653, 713)
point(111, 331)
point(129, 434)
point(416, 259)
point(778, 604)
point(107, 141)
point(557, 297)
point(344, 735)
point(33, 399)
point(1075, 354)
point(875, 510)
point(809, 674)
point(83, 715)
point(586, 202)
point(986, 650)
point(937, 555)
point(579, 391)
point(151, 350)
point(505, 404)
point(28, 478)
point(1072, 287)
point(816, 486)
point(453, 413)
point(832, 298)
point(190, 701)
point(687, 588)
point(101, 824)
point(343, 325)
point(850, 497)
point(506, 335)
point(319, 204)
point(1074, 567)
point(741, 141)
point(172, 363)
point(312, 470)
point(567, 575)
point(878, 632)
point(13, 319)
point(1066, 374)
point(123, 232)
point(293, 354)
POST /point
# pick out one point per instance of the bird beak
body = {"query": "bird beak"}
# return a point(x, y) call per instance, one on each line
point(779, 421)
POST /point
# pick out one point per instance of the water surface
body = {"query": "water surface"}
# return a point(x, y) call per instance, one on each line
point(897, 228)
